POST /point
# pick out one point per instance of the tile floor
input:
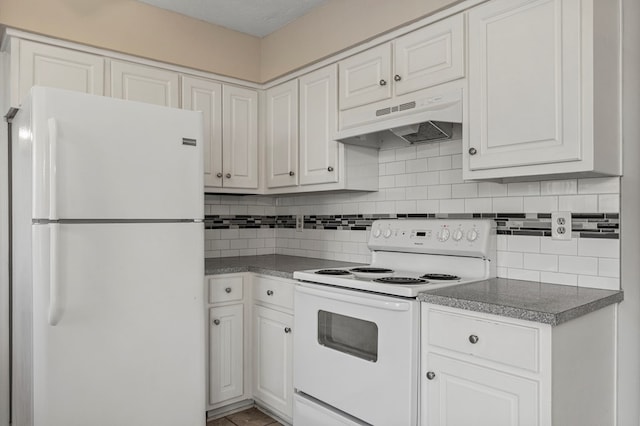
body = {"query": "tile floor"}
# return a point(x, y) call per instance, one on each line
point(249, 417)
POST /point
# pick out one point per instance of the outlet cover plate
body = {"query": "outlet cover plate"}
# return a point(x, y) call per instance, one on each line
point(299, 223)
point(561, 226)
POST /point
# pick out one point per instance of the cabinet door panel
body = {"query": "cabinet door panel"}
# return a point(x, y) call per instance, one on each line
point(52, 66)
point(144, 84)
point(463, 394)
point(361, 76)
point(225, 353)
point(318, 123)
point(524, 83)
point(240, 137)
point(429, 56)
point(282, 135)
point(273, 359)
point(206, 96)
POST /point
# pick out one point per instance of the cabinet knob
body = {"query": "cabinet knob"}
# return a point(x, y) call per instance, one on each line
point(228, 289)
point(330, 169)
point(474, 339)
point(218, 175)
point(287, 329)
point(383, 82)
point(397, 77)
point(216, 321)
point(291, 173)
point(269, 292)
point(473, 151)
point(228, 175)
point(431, 375)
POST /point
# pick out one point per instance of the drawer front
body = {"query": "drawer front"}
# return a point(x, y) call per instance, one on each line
point(225, 289)
point(274, 292)
point(509, 344)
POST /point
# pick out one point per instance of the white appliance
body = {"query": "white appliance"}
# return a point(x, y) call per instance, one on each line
point(108, 320)
point(356, 346)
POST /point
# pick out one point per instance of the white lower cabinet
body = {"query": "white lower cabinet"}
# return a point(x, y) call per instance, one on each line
point(487, 370)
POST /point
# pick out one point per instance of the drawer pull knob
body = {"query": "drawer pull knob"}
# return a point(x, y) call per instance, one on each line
point(383, 83)
point(474, 339)
point(287, 329)
point(269, 292)
point(291, 173)
point(431, 375)
point(228, 176)
point(228, 289)
point(473, 151)
point(219, 175)
point(397, 77)
point(330, 169)
point(216, 321)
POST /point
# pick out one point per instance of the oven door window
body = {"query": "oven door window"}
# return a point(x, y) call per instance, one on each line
point(348, 335)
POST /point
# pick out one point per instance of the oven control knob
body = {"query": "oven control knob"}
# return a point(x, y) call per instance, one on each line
point(457, 235)
point(444, 234)
point(376, 233)
point(387, 233)
point(472, 235)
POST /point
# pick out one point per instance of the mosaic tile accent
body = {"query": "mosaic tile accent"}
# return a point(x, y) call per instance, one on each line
point(584, 225)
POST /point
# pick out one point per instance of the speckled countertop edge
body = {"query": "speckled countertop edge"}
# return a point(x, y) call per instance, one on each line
point(590, 301)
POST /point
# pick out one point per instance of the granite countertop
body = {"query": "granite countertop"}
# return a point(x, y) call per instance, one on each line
point(528, 300)
point(270, 264)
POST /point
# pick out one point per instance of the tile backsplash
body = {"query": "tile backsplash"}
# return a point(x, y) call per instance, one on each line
point(426, 181)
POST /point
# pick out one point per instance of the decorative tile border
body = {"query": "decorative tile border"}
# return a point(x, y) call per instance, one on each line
point(584, 225)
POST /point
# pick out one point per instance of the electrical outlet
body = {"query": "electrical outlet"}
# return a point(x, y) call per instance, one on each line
point(561, 225)
point(299, 223)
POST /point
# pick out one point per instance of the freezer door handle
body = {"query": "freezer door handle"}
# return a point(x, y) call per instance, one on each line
point(53, 176)
point(55, 311)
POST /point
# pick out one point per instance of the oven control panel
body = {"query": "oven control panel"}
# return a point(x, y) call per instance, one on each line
point(466, 237)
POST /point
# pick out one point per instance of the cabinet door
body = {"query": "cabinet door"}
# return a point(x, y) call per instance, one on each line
point(429, 56)
point(273, 359)
point(364, 78)
point(318, 124)
point(282, 135)
point(225, 353)
point(206, 96)
point(43, 65)
point(524, 83)
point(144, 84)
point(239, 137)
point(463, 394)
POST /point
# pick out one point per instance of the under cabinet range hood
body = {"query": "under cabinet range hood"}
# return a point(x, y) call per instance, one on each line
point(419, 117)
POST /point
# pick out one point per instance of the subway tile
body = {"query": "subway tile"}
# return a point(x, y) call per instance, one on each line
point(456, 161)
point(439, 192)
point(546, 204)
point(451, 176)
point(451, 147)
point(229, 234)
point(609, 203)
point(405, 180)
point(501, 272)
point(558, 278)
point(559, 187)
point(428, 206)
point(604, 283)
point(266, 250)
point(428, 178)
point(385, 207)
point(406, 153)
point(523, 244)
point(408, 206)
point(599, 248)
point(509, 259)
point(492, 189)
point(394, 194)
point(522, 274)
point(599, 185)
point(219, 244)
point(439, 163)
point(427, 150)
point(247, 233)
point(416, 166)
point(567, 248)
point(464, 190)
point(386, 155)
point(386, 181)
point(366, 207)
point(609, 268)
point(523, 188)
point(229, 253)
point(452, 206)
point(507, 205)
point(541, 262)
point(395, 168)
point(239, 244)
point(578, 203)
point(220, 210)
point(501, 242)
point(578, 265)
point(477, 205)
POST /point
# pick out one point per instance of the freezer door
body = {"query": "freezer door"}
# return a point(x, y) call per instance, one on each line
point(126, 345)
point(101, 158)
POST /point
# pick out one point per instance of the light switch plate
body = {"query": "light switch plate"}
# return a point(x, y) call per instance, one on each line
point(561, 225)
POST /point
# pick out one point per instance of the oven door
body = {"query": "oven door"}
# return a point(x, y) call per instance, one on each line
point(357, 352)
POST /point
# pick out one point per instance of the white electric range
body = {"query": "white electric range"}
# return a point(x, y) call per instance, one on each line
point(356, 345)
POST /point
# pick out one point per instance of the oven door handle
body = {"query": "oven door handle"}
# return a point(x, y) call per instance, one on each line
point(364, 300)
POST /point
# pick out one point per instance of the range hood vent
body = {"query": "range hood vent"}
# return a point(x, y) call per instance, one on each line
point(419, 117)
point(429, 131)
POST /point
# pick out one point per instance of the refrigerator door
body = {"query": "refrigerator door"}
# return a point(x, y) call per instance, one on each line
point(101, 158)
point(126, 344)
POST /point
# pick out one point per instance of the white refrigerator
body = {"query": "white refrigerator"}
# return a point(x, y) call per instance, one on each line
point(107, 304)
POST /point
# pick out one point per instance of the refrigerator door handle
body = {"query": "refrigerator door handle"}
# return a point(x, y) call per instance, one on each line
point(55, 310)
point(53, 172)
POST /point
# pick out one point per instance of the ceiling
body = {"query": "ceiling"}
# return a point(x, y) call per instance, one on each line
point(255, 17)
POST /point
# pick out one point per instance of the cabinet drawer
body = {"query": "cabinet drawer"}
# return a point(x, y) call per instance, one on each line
point(508, 344)
point(225, 289)
point(274, 292)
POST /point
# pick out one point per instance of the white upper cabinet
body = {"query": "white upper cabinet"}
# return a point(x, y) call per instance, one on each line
point(542, 89)
point(318, 124)
point(423, 58)
point(240, 137)
point(282, 135)
point(141, 83)
point(51, 66)
point(206, 96)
